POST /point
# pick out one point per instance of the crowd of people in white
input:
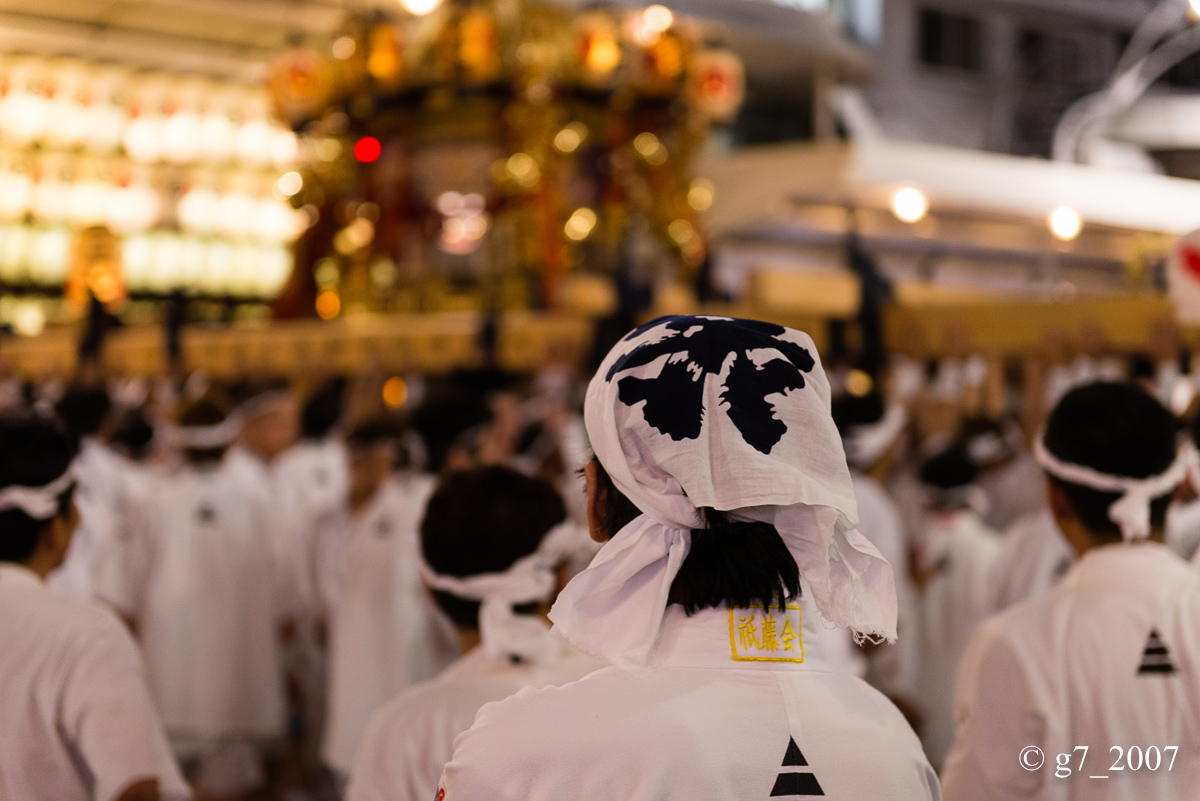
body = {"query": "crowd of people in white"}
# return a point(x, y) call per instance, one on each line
point(250, 590)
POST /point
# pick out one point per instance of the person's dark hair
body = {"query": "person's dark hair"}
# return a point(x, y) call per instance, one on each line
point(854, 410)
point(731, 563)
point(33, 452)
point(1115, 429)
point(949, 469)
point(83, 410)
point(133, 434)
point(208, 410)
point(375, 431)
point(482, 521)
point(323, 409)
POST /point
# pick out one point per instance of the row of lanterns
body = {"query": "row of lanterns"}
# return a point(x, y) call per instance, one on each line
point(69, 104)
point(151, 263)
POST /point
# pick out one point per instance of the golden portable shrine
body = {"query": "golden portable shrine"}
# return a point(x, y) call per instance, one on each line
point(475, 155)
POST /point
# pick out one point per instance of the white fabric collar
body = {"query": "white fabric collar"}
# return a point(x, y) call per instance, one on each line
point(697, 411)
point(1131, 512)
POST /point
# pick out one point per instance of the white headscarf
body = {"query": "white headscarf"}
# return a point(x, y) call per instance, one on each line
point(698, 411)
point(1131, 512)
point(502, 632)
point(40, 503)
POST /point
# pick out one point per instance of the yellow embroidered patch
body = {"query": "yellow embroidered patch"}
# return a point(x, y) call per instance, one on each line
point(758, 634)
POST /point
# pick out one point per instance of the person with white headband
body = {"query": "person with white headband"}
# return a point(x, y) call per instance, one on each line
point(951, 560)
point(1098, 676)
point(721, 493)
point(76, 719)
point(384, 632)
point(492, 539)
point(204, 588)
point(873, 436)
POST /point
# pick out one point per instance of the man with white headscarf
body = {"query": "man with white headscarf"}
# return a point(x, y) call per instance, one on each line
point(492, 539)
point(206, 591)
point(1097, 677)
point(384, 631)
point(721, 491)
point(76, 720)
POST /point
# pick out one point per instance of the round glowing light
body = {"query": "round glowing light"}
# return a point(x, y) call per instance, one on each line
point(603, 55)
point(285, 147)
point(328, 149)
point(51, 199)
point(25, 116)
point(253, 142)
point(235, 214)
point(570, 137)
point(681, 231)
point(909, 205)
point(181, 137)
point(524, 169)
point(859, 383)
point(328, 304)
point(276, 221)
point(16, 195)
point(395, 392)
point(701, 194)
point(29, 319)
point(143, 139)
point(474, 203)
point(1065, 223)
point(580, 224)
point(450, 204)
point(650, 148)
point(197, 210)
point(215, 137)
point(289, 184)
point(88, 202)
point(658, 18)
point(343, 48)
point(367, 149)
point(420, 7)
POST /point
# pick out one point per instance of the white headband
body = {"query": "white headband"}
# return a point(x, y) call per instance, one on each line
point(214, 436)
point(40, 503)
point(864, 444)
point(532, 578)
point(1131, 512)
point(258, 405)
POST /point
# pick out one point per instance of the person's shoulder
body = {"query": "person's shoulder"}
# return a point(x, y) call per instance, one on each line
point(76, 626)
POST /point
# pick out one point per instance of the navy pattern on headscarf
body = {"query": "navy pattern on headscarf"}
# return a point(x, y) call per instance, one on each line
point(698, 346)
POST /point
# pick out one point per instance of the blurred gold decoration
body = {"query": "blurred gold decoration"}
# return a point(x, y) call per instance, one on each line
point(300, 83)
point(95, 270)
point(519, 141)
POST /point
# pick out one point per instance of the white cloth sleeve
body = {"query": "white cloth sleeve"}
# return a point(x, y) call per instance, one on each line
point(123, 573)
point(995, 718)
point(108, 717)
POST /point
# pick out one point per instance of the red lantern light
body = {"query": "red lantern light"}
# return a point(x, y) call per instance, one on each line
point(367, 149)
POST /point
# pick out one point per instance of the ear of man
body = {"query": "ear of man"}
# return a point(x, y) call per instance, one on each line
point(597, 501)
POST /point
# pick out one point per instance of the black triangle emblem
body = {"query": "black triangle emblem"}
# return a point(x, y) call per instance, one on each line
point(793, 757)
point(792, 785)
point(1155, 656)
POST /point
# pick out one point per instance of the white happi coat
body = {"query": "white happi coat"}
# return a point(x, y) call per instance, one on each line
point(1109, 657)
point(1033, 556)
point(1013, 490)
point(960, 549)
point(100, 497)
point(728, 710)
point(319, 470)
point(411, 738)
point(76, 720)
point(385, 632)
point(203, 578)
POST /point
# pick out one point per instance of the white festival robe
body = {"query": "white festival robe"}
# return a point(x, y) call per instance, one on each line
point(411, 738)
point(727, 711)
point(1034, 555)
point(384, 631)
point(101, 496)
point(76, 720)
point(958, 550)
point(203, 578)
point(892, 667)
point(1109, 657)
